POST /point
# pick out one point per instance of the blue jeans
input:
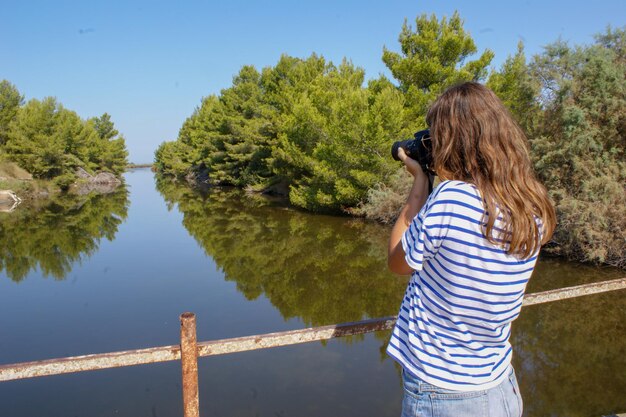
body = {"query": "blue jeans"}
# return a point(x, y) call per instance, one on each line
point(424, 400)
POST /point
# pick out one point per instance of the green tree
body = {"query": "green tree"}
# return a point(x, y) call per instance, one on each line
point(189, 154)
point(239, 154)
point(105, 127)
point(228, 136)
point(615, 40)
point(298, 127)
point(170, 158)
point(10, 102)
point(518, 89)
point(433, 56)
point(50, 141)
point(108, 150)
point(579, 149)
point(336, 140)
point(305, 124)
point(36, 136)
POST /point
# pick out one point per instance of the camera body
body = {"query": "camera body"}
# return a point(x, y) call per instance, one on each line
point(418, 148)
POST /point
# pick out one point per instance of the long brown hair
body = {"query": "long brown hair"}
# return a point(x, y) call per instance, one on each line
point(476, 140)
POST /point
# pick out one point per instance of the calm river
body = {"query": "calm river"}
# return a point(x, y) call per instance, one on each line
point(114, 272)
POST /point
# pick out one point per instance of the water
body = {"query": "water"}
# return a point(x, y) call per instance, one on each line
point(114, 272)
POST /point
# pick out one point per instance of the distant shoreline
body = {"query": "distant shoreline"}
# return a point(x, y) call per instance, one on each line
point(135, 166)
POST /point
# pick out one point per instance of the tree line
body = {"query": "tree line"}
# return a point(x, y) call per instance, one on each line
point(52, 142)
point(321, 133)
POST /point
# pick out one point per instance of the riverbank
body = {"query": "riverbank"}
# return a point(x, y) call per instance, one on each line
point(383, 208)
point(21, 184)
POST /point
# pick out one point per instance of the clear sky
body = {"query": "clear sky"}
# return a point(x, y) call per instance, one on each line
point(149, 63)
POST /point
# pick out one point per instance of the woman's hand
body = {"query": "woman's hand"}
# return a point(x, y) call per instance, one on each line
point(411, 164)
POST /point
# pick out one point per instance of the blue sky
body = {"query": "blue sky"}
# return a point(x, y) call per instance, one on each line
point(149, 63)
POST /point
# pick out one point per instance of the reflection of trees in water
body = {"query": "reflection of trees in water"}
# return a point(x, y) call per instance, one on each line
point(570, 356)
point(553, 272)
point(54, 236)
point(321, 269)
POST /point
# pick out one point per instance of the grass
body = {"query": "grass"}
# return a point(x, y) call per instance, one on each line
point(10, 171)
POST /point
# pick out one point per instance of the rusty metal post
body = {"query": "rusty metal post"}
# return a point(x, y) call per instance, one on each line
point(189, 360)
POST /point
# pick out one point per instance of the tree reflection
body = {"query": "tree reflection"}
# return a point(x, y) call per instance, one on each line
point(570, 356)
point(54, 236)
point(321, 269)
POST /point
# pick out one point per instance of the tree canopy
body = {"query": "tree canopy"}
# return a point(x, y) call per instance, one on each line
point(433, 56)
point(579, 145)
point(51, 142)
point(306, 126)
point(10, 102)
point(317, 131)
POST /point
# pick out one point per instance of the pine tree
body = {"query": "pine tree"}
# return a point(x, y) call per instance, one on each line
point(433, 57)
point(518, 90)
point(50, 141)
point(10, 102)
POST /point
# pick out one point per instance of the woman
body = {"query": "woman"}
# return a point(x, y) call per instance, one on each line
point(470, 247)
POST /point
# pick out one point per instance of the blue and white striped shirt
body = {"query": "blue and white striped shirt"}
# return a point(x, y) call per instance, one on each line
point(455, 320)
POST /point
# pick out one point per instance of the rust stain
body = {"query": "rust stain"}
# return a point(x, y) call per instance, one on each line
point(189, 362)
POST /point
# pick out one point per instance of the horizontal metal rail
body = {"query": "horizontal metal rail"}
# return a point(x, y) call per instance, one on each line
point(241, 344)
point(573, 292)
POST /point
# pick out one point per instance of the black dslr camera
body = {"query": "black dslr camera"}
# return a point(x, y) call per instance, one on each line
point(418, 148)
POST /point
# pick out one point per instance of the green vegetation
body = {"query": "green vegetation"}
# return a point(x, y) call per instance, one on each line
point(51, 142)
point(134, 166)
point(433, 57)
point(56, 234)
point(321, 134)
point(312, 129)
point(277, 129)
point(579, 145)
point(572, 103)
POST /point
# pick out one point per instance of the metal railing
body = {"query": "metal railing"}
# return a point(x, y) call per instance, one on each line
point(189, 349)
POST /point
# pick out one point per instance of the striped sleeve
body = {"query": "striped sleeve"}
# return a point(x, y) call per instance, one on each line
point(422, 239)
